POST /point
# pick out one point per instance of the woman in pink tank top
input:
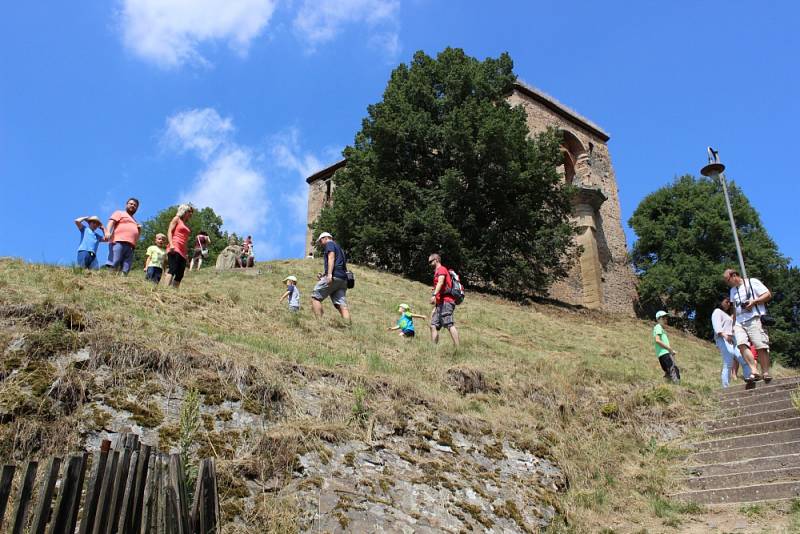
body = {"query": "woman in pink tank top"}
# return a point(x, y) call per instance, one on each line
point(177, 252)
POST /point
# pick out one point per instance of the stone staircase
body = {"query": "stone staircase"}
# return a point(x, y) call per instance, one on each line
point(753, 453)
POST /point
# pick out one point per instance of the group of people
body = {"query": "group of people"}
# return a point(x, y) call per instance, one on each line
point(334, 281)
point(738, 332)
point(170, 251)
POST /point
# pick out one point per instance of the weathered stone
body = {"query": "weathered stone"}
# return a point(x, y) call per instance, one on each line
point(602, 278)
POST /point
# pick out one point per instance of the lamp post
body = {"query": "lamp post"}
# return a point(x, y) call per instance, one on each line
point(714, 170)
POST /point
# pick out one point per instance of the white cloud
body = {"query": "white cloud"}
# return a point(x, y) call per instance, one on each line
point(229, 183)
point(320, 21)
point(200, 130)
point(287, 153)
point(234, 190)
point(169, 32)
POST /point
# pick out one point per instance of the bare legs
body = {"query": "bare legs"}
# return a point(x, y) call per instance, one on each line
point(453, 335)
point(316, 307)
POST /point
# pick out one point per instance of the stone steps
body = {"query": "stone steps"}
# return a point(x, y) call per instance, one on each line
point(748, 400)
point(740, 494)
point(744, 479)
point(740, 466)
point(777, 383)
point(758, 408)
point(762, 427)
point(755, 451)
point(775, 415)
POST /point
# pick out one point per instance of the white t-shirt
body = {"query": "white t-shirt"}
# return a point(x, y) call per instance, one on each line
point(738, 297)
point(721, 322)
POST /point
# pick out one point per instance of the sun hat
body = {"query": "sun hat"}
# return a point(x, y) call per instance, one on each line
point(291, 277)
point(660, 314)
point(324, 234)
point(94, 218)
point(403, 307)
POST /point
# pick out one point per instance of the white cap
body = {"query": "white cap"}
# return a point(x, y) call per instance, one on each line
point(291, 277)
point(324, 234)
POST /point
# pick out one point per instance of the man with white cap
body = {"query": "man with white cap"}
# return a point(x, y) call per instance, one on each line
point(292, 293)
point(333, 280)
point(90, 239)
point(664, 351)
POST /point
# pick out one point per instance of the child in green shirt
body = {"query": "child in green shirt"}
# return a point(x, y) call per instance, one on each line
point(664, 351)
point(155, 259)
point(405, 324)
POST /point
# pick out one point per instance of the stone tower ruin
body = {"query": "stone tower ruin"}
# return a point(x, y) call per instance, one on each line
point(602, 277)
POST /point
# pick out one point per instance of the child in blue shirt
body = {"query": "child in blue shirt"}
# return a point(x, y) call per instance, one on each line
point(292, 294)
point(405, 324)
point(90, 239)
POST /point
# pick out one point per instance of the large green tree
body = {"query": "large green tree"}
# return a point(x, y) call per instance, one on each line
point(203, 220)
point(785, 308)
point(685, 243)
point(444, 164)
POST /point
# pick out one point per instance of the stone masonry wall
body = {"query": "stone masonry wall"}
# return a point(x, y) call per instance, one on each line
point(618, 281)
point(616, 277)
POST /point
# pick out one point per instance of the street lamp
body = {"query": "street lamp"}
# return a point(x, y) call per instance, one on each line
point(714, 170)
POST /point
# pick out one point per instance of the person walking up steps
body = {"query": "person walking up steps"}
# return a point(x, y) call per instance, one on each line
point(444, 305)
point(333, 280)
point(90, 240)
point(748, 297)
point(664, 352)
point(722, 324)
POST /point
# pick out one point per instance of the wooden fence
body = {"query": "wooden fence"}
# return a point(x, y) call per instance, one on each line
point(129, 490)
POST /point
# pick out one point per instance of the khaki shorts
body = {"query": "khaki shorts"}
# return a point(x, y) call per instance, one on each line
point(336, 290)
point(442, 316)
point(751, 331)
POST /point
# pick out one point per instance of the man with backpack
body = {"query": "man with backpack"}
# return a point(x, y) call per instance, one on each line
point(444, 302)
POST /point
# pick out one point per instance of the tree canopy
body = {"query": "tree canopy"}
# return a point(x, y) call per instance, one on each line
point(685, 243)
point(444, 164)
point(203, 220)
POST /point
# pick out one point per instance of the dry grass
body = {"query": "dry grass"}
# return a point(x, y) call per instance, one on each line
point(582, 388)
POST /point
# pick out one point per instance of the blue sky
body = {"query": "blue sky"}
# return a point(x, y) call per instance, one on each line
point(232, 103)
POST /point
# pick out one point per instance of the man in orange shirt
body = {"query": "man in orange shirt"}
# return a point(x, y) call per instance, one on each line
point(122, 231)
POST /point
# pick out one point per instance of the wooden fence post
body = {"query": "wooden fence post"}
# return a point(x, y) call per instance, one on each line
point(46, 495)
point(23, 497)
point(6, 477)
point(94, 487)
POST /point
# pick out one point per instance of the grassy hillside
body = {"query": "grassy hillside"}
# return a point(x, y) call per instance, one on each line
point(290, 404)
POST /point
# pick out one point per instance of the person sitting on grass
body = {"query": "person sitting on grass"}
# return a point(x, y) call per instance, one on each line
point(664, 352)
point(405, 324)
point(155, 259)
point(90, 239)
point(292, 294)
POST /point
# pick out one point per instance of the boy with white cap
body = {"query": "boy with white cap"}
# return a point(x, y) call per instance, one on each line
point(405, 324)
point(664, 351)
point(292, 293)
